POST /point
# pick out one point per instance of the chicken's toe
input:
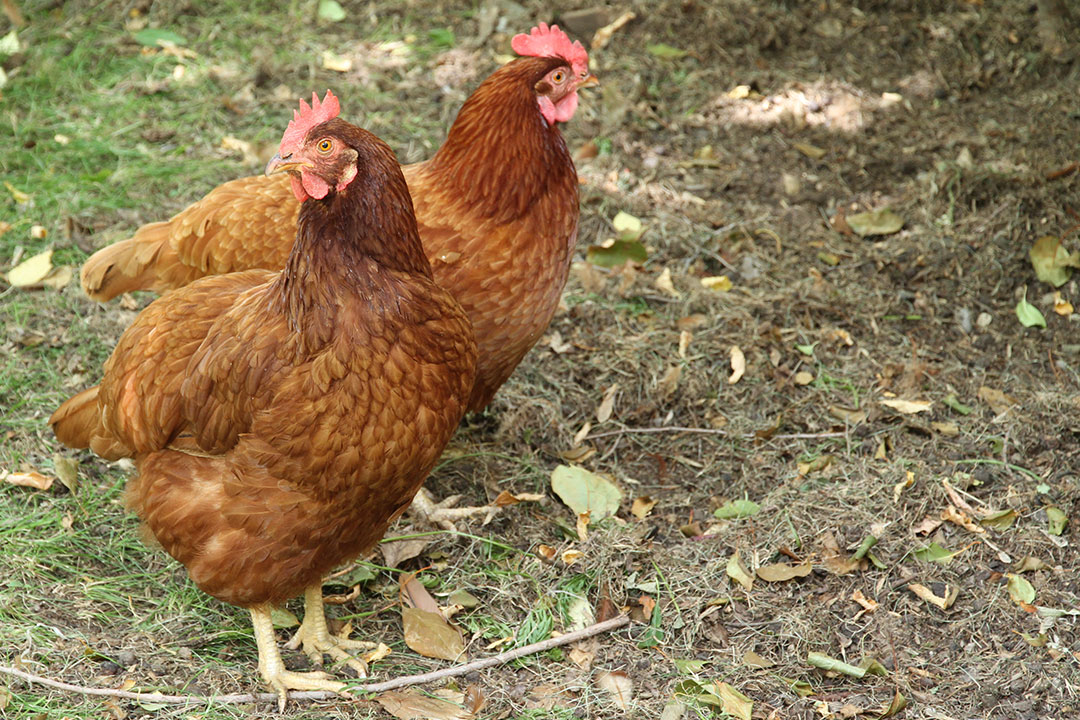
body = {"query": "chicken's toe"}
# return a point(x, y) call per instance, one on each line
point(443, 514)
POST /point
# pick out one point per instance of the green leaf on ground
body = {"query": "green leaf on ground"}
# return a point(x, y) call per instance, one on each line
point(586, 492)
point(737, 509)
point(331, 11)
point(876, 222)
point(159, 37)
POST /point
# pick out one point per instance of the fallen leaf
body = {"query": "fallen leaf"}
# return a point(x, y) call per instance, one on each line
point(546, 551)
point(379, 653)
point(1000, 521)
point(31, 271)
point(29, 479)
point(737, 572)
point(1020, 590)
point(429, 634)
point(685, 338)
point(927, 526)
point(282, 618)
point(67, 471)
point(850, 416)
point(628, 226)
point(867, 604)
point(899, 702)
point(665, 51)
point(877, 222)
point(1030, 564)
point(569, 557)
point(17, 195)
point(395, 552)
point(59, 278)
point(719, 283)
point(664, 283)
point(948, 429)
point(331, 11)
point(1061, 306)
point(752, 659)
point(586, 492)
point(412, 593)
point(616, 253)
point(907, 407)
point(998, 401)
point(925, 593)
point(782, 572)
point(803, 378)
point(607, 403)
point(642, 506)
point(737, 509)
point(159, 37)
point(619, 685)
point(1057, 520)
point(582, 526)
point(335, 62)
point(829, 664)
point(1028, 314)
point(960, 518)
point(38, 232)
point(734, 703)
point(738, 364)
point(1052, 262)
point(669, 383)
point(413, 705)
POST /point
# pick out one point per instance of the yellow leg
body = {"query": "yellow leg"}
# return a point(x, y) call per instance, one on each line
point(317, 640)
point(273, 670)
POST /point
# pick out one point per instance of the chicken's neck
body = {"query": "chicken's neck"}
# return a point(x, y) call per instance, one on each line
point(501, 153)
point(352, 242)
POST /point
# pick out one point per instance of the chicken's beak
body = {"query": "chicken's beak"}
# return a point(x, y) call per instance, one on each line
point(590, 81)
point(279, 164)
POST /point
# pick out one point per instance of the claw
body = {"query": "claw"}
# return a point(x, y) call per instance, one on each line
point(443, 515)
point(317, 641)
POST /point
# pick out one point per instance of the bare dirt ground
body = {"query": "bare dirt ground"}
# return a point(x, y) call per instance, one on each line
point(743, 158)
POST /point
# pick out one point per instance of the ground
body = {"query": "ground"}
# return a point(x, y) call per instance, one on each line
point(743, 135)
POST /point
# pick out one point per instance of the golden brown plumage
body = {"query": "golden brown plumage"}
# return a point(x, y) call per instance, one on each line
point(281, 420)
point(497, 210)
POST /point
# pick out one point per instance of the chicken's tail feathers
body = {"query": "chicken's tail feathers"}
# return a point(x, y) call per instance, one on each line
point(74, 423)
point(145, 261)
point(78, 424)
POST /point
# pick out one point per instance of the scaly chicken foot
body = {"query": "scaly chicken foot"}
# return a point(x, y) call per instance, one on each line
point(273, 669)
point(443, 515)
point(316, 639)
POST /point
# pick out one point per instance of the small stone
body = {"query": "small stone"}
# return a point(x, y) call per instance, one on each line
point(108, 667)
point(984, 319)
point(126, 658)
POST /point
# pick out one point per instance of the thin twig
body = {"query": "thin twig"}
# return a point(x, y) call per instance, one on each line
point(711, 431)
point(405, 681)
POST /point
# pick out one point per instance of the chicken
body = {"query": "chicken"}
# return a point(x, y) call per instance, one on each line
point(497, 209)
point(280, 421)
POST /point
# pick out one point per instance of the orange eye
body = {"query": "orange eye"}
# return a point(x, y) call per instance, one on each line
point(325, 145)
point(558, 77)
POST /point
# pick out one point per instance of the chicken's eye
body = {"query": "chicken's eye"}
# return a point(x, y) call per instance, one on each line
point(558, 77)
point(325, 145)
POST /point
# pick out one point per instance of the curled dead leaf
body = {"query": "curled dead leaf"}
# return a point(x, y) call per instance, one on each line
point(738, 364)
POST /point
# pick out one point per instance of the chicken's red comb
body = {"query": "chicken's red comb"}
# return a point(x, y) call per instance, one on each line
point(308, 117)
point(544, 41)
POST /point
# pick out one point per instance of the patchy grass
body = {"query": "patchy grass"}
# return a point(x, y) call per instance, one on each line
point(722, 188)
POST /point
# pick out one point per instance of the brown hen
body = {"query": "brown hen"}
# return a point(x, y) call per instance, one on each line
point(280, 421)
point(497, 210)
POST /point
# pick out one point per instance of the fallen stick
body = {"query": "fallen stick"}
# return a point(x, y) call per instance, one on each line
point(500, 659)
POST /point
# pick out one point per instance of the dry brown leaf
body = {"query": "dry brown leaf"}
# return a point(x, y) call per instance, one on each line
point(692, 322)
point(619, 685)
point(752, 659)
point(685, 338)
point(927, 526)
point(557, 344)
point(998, 401)
point(867, 604)
point(31, 271)
point(958, 517)
point(907, 407)
point(412, 593)
point(642, 506)
point(738, 364)
point(582, 658)
point(572, 556)
point(670, 382)
point(782, 572)
point(396, 552)
point(948, 429)
point(546, 552)
point(607, 404)
point(803, 377)
point(665, 284)
point(848, 415)
point(59, 278)
point(900, 487)
point(582, 526)
point(412, 705)
point(429, 634)
point(958, 501)
point(717, 283)
point(951, 591)
point(377, 654)
point(29, 479)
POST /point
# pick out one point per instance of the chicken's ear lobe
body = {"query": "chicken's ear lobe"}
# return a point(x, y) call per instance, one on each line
point(348, 173)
